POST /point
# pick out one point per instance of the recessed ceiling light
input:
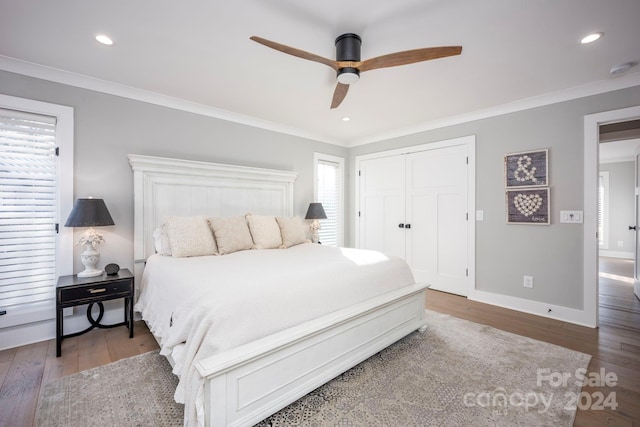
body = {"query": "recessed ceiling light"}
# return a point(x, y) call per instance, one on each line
point(346, 119)
point(591, 38)
point(104, 39)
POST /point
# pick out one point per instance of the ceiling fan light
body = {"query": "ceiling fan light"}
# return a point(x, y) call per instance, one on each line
point(348, 75)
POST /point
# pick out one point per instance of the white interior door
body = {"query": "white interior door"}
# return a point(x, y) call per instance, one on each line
point(636, 258)
point(436, 204)
point(382, 205)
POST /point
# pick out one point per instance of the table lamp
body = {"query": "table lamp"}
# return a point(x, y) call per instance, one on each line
point(89, 213)
point(315, 212)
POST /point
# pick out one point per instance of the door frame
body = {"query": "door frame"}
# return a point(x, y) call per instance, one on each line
point(592, 123)
point(470, 143)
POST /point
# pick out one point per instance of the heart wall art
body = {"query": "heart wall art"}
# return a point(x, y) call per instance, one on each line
point(528, 206)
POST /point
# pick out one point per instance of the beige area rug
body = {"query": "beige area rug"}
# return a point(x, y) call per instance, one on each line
point(457, 373)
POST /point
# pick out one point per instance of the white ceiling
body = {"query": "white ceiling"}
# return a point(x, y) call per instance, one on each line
point(619, 151)
point(197, 55)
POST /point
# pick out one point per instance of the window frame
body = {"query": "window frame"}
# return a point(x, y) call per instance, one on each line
point(64, 242)
point(317, 158)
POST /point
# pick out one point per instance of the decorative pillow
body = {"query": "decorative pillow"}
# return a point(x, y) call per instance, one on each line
point(264, 231)
point(189, 236)
point(292, 231)
point(232, 234)
point(161, 241)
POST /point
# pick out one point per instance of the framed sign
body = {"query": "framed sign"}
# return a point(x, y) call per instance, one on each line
point(526, 169)
point(528, 206)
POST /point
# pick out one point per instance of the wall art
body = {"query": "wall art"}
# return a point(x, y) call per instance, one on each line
point(527, 169)
point(528, 206)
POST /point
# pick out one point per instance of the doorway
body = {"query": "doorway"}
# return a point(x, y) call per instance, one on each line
point(619, 145)
point(592, 125)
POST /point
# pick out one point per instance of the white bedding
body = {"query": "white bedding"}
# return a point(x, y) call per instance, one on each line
point(215, 303)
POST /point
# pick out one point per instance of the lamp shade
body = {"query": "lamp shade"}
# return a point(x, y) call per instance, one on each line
point(89, 213)
point(315, 211)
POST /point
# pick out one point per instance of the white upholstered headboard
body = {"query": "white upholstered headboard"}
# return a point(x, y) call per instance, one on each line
point(163, 186)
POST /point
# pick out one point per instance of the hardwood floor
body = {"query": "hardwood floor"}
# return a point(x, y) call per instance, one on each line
point(24, 369)
point(615, 347)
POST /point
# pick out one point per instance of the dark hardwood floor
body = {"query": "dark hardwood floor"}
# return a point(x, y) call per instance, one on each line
point(615, 347)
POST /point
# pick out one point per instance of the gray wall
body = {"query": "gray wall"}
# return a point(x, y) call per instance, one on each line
point(107, 128)
point(621, 201)
point(552, 254)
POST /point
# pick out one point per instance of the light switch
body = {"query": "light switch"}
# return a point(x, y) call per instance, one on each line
point(571, 217)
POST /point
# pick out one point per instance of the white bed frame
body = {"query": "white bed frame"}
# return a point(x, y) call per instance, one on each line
point(248, 383)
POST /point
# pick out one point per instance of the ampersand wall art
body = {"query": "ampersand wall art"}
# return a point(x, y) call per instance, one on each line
point(527, 187)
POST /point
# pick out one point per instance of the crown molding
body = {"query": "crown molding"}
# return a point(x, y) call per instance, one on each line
point(595, 88)
point(78, 80)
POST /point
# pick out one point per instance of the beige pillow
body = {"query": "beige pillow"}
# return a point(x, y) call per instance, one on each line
point(292, 231)
point(232, 234)
point(189, 236)
point(264, 231)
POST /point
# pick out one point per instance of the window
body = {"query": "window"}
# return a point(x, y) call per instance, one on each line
point(35, 189)
point(329, 190)
point(603, 210)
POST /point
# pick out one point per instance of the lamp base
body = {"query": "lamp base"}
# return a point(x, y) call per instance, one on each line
point(90, 258)
point(90, 272)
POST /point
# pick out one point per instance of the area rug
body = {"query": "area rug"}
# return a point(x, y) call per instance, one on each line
point(457, 373)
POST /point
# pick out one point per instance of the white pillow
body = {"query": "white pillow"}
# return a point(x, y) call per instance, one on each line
point(292, 231)
point(264, 231)
point(189, 236)
point(232, 234)
point(161, 241)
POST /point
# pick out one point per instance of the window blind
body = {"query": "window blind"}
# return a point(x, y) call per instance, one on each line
point(28, 209)
point(329, 188)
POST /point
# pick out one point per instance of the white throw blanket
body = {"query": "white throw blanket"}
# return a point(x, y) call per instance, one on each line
point(215, 303)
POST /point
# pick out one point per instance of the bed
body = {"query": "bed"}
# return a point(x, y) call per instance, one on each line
point(288, 336)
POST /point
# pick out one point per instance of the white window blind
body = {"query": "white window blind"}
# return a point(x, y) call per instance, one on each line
point(603, 210)
point(28, 209)
point(329, 190)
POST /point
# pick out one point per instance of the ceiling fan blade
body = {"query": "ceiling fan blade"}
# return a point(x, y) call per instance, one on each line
point(296, 52)
point(339, 94)
point(409, 57)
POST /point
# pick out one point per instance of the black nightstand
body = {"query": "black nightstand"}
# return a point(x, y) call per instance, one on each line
point(74, 290)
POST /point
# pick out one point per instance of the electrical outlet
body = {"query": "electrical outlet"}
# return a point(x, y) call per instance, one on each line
point(620, 243)
point(528, 282)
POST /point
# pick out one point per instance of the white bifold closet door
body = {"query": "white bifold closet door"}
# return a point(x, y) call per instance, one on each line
point(415, 206)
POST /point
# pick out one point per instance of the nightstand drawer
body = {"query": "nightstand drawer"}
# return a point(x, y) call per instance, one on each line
point(100, 292)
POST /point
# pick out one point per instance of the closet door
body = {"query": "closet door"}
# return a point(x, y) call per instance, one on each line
point(382, 205)
point(436, 209)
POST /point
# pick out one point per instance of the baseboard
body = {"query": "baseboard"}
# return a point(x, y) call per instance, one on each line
point(565, 314)
point(616, 254)
point(30, 333)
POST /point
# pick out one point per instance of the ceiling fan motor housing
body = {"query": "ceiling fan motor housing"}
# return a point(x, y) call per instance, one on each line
point(348, 49)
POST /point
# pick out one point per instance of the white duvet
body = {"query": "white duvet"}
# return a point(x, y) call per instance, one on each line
point(215, 303)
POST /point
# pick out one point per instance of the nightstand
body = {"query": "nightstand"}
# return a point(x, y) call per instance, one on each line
point(74, 290)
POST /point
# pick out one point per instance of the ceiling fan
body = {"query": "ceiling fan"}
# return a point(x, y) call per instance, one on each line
point(348, 65)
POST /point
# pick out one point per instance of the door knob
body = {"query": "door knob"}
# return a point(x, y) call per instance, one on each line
point(407, 226)
point(401, 225)
point(633, 227)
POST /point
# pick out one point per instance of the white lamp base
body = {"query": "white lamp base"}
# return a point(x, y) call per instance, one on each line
point(90, 272)
point(90, 258)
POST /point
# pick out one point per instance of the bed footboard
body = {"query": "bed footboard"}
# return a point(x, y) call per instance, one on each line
point(247, 384)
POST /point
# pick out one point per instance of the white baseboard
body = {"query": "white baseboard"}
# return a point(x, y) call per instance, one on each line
point(15, 336)
point(616, 254)
point(566, 314)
